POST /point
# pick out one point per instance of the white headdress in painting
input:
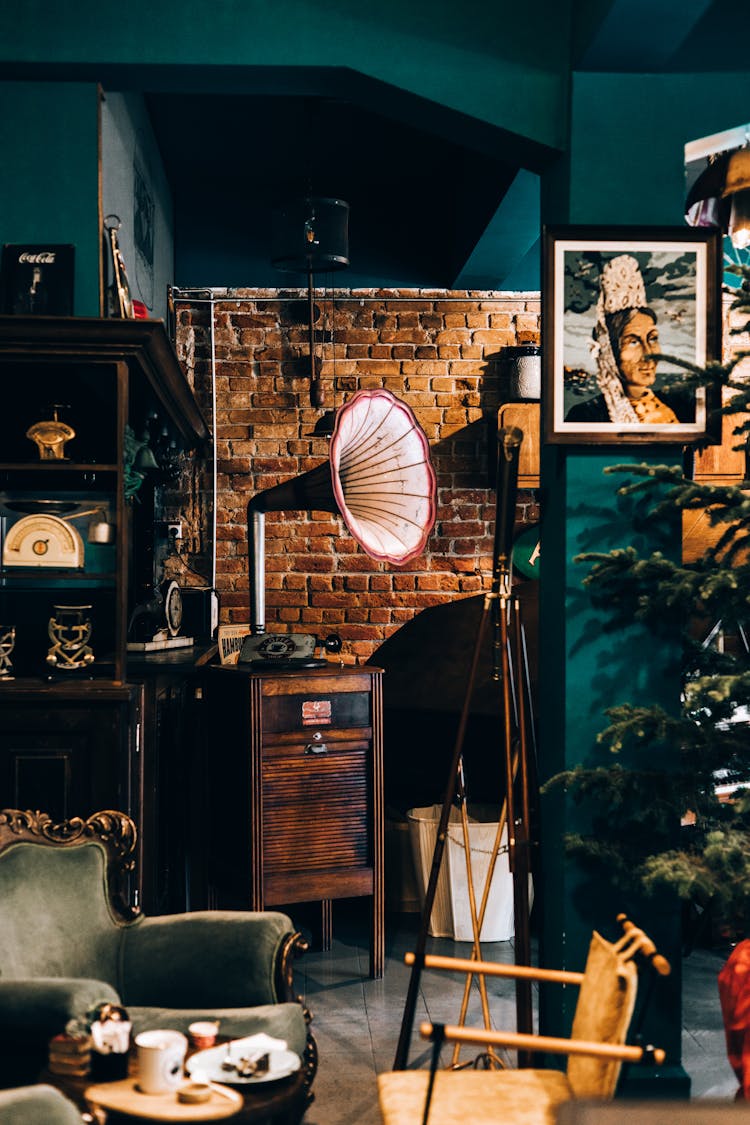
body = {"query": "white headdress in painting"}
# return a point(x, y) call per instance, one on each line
point(620, 287)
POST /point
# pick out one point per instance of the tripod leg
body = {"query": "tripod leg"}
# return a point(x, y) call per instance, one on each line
point(455, 781)
point(476, 952)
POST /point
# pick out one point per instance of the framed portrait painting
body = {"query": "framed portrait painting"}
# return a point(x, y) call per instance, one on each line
point(622, 309)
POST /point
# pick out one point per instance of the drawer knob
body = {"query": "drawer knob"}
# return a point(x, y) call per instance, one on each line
point(316, 748)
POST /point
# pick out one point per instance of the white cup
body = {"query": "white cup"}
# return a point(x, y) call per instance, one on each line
point(161, 1055)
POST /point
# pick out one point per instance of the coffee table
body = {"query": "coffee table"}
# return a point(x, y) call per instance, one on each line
point(124, 1099)
point(281, 1102)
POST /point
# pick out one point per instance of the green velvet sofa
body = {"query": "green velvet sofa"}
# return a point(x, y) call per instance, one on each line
point(67, 943)
point(37, 1105)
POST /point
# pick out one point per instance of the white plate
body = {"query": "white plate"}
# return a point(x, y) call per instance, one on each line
point(208, 1063)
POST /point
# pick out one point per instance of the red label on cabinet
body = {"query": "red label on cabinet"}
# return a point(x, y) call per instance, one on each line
point(316, 712)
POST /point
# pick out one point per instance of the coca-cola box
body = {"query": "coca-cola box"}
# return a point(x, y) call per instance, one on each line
point(37, 279)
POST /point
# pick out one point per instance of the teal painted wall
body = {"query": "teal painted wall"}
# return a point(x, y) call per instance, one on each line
point(49, 189)
point(629, 132)
point(505, 64)
point(625, 166)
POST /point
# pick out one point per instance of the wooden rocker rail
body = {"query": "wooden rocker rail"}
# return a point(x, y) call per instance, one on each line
point(494, 969)
point(544, 1043)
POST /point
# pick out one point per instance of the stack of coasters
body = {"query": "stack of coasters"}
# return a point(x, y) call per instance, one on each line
point(70, 1054)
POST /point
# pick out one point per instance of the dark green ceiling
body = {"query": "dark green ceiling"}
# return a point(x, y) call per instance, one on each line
point(433, 120)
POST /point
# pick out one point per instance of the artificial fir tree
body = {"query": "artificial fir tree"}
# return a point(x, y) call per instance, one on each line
point(678, 766)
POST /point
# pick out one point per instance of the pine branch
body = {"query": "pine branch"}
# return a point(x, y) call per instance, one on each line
point(666, 765)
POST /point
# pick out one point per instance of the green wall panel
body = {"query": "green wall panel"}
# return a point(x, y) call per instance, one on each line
point(624, 166)
point(504, 64)
point(49, 191)
point(629, 131)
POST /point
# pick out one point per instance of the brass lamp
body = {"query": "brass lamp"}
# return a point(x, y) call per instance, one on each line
point(720, 196)
point(737, 191)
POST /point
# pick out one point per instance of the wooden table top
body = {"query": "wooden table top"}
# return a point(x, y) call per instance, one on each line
point(125, 1097)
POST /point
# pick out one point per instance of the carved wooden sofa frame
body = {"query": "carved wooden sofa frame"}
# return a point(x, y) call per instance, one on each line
point(115, 836)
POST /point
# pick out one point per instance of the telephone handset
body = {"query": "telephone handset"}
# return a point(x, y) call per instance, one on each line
point(287, 651)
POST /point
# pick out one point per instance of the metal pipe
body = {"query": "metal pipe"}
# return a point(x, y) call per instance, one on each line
point(214, 472)
point(340, 295)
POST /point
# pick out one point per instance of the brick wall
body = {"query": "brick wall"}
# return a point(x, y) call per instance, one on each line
point(441, 352)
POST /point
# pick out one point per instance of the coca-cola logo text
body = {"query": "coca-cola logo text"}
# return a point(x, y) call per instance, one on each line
point(45, 258)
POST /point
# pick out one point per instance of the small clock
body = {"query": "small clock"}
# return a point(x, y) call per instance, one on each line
point(173, 608)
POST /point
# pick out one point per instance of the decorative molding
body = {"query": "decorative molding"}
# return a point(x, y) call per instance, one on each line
point(115, 831)
point(292, 946)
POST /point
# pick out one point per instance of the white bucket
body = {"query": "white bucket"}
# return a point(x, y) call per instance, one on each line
point(423, 825)
point(451, 910)
point(498, 922)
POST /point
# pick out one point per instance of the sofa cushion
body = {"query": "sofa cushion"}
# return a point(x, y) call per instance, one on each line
point(54, 918)
point(37, 1105)
point(215, 958)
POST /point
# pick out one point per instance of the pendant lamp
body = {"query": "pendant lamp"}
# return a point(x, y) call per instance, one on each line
point(737, 190)
point(311, 235)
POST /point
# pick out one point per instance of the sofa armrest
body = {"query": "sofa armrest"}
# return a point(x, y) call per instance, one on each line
point(40, 1103)
point(221, 958)
point(32, 1011)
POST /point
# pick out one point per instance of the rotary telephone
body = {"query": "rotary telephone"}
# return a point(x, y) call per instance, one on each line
point(287, 651)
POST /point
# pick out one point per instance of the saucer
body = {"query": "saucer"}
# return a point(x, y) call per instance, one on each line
point(207, 1064)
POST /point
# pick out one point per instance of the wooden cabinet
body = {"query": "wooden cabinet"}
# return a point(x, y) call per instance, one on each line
point(72, 750)
point(104, 378)
point(171, 724)
point(294, 769)
point(76, 740)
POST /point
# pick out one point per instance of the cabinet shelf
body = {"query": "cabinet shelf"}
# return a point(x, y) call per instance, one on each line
point(142, 345)
point(112, 374)
point(55, 467)
point(36, 577)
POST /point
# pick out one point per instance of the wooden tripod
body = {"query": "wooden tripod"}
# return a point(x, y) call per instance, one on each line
point(510, 669)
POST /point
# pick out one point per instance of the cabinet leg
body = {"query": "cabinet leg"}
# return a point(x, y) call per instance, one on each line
point(326, 923)
point(377, 939)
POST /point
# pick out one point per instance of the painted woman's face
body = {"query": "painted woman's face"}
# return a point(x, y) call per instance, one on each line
point(638, 344)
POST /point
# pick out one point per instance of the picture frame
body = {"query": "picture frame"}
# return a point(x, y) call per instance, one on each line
point(614, 298)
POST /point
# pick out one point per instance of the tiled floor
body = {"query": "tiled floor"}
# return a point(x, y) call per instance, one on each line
point(357, 1020)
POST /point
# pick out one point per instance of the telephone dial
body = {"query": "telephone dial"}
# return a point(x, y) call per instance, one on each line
point(286, 652)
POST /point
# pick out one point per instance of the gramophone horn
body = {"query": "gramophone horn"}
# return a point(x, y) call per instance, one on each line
point(379, 478)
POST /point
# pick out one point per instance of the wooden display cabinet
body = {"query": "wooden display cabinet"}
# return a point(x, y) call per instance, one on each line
point(76, 741)
point(294, 777)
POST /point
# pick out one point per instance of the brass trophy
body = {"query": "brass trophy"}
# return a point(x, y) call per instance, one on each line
point(7, 644)
point(50, 436)
point(70, 632)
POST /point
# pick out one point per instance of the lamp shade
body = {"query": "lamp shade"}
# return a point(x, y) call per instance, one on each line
point(737, 193)
point(311, 235)
point(704, 206)
point(737, 176)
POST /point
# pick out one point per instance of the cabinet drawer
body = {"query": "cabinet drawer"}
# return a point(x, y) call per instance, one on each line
point(311, 710)
point(316, 811)
point(315, 743)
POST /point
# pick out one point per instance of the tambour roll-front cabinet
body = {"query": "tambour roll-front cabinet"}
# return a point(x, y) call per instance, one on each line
point(294, 779)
